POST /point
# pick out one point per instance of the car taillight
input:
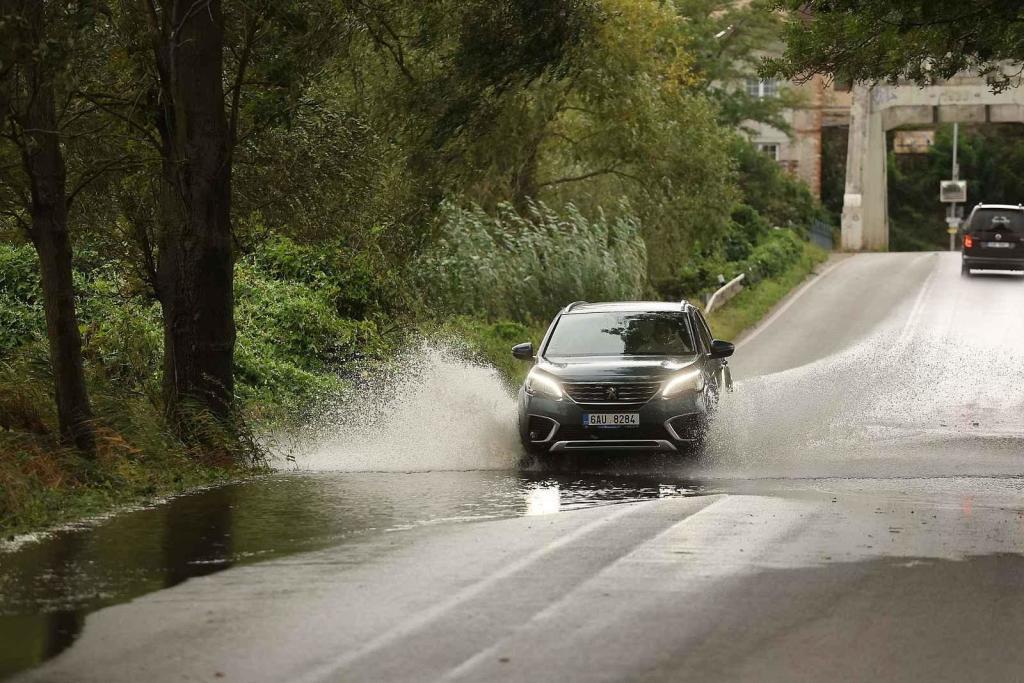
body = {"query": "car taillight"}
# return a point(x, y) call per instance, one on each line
point(968, 242)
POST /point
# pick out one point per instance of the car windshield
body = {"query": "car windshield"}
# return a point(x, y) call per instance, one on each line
point(1006, 220)
point(621, 334)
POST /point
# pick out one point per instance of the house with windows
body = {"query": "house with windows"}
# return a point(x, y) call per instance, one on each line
point(799, 150)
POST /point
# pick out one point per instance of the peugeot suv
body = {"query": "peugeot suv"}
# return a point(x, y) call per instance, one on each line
point(993, 239)
point(629, 376)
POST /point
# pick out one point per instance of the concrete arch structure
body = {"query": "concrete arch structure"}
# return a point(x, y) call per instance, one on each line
point(878, 109)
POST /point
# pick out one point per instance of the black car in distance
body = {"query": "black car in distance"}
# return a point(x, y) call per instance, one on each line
point(993, 239)
point(624, 376)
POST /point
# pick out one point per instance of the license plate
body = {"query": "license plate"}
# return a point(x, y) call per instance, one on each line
point(999, 245)
point(611, 420)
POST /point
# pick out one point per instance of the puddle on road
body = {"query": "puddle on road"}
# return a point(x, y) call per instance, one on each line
point(47, 588)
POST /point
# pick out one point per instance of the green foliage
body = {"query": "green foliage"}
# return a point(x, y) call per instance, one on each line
point(523, 267)
point(291, 340)
point(924, 41)
point(296, 320)
point(780, 198)
point(21, 310)
point(358, 283)
point(774, 253)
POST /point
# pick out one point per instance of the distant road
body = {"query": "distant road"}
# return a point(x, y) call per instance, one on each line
point(865, 522)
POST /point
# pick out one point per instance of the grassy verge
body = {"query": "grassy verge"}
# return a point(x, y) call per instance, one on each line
point(43, 484)
point(752, 304)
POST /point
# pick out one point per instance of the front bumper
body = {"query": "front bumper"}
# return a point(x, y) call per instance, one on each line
point(668, 425)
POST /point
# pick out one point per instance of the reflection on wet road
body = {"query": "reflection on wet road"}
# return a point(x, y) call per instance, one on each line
point(48, 587)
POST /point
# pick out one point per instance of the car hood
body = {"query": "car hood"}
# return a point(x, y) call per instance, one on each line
point(614, 368)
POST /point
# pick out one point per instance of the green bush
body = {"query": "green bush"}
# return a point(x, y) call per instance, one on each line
point(780, 250)
point(292, 339)
point(122, 332)
point(293, 306)
point(781, 199)
point(357, 283)
point(515, 267)
point(21, 307)
point(776, 251)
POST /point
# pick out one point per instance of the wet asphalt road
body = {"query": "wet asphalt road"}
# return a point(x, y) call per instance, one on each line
point(861, 516)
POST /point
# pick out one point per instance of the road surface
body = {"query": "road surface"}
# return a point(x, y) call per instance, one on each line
point(861, 517)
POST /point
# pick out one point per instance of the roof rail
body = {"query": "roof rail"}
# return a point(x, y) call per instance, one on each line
point(573, 305)
point(684, 303)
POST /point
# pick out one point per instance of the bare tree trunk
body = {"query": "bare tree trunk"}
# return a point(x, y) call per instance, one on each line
point(44, 164)
point(195, 270)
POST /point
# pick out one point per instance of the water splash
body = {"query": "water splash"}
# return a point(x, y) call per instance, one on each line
point(932, 393)
point(435, 410)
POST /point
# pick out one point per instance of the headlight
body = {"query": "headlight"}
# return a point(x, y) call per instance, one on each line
point(691, 380)
point(540, 383)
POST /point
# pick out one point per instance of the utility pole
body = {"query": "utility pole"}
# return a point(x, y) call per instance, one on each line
point(956, 176)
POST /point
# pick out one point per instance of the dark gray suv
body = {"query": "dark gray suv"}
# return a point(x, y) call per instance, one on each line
point(993, 239)
point(627, 376)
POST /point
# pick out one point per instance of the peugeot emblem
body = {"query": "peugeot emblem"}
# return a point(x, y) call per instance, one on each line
point(998, 236)
point(611, 394)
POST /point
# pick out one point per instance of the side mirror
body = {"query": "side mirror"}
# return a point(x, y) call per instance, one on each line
point(722, 349)
point(523, 351)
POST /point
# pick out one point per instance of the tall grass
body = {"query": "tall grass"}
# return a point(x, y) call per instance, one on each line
point(515, 267)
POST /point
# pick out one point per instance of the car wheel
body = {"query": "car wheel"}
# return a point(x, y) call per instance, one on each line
point(964, 270)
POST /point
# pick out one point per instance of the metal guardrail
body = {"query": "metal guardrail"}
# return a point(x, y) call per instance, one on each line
point(726, 292)
point(821, 234)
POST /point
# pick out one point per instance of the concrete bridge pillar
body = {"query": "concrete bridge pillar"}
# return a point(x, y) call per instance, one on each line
point(865, 223)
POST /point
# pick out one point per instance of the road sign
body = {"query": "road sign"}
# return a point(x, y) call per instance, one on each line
point(953, 222)
point(913, 141)
point(953, 191)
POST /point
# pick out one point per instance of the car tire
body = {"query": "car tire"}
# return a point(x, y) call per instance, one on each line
point(964, 270)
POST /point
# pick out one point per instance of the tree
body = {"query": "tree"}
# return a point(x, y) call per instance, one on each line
point(195, 282)
point(33, 67)
point(923, 41)
point(194, 82)
point(728, 41)
point(625, 127)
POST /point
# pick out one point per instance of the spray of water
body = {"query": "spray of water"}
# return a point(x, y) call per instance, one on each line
point(434, 410)
point(933, 392)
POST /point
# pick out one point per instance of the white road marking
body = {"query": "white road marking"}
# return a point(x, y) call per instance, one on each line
point(330, 669)
point(918, 308)
point(488, 652)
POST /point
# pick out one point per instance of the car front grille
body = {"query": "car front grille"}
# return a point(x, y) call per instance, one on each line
point(609, 393)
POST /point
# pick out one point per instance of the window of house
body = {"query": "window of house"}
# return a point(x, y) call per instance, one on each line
point(762, 89)
point(769, 149)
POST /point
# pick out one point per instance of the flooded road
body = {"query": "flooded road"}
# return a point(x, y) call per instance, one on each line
point(48, 587)
point(865, 486)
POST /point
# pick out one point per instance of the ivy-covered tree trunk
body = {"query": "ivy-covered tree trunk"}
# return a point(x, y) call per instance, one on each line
point(44, 165)
point(195, 270)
